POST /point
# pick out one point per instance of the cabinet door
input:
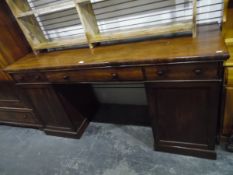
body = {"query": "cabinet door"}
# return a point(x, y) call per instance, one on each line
point(184, 115)
point(48, 107)
point(228, 112)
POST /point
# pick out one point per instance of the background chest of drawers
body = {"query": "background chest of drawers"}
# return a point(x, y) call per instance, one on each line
point(13, 111)
point(228, 100)
point(227, 127)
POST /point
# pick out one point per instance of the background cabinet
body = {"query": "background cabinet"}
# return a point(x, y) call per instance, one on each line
point(228, 115)
point(12, 110)
point(227, 124)
point(12, 47)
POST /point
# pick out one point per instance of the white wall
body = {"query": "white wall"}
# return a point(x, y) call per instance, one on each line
point(121, 94)
point(116, 15)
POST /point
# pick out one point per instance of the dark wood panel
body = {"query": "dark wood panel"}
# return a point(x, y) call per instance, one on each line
point(12, 42)
point(184, 114)
point(48, 107)
point(8, 91)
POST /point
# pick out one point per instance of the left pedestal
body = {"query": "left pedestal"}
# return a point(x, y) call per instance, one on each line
point(57, 107)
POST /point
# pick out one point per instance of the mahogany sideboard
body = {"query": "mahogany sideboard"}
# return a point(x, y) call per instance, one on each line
point(183, 77)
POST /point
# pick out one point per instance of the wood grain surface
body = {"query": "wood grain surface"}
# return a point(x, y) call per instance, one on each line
point(209, 45)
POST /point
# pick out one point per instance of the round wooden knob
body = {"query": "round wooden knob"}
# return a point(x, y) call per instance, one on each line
point(198, 71)
point(66, 77)
point(37, 77)
point(161, 73)
point(114, 76)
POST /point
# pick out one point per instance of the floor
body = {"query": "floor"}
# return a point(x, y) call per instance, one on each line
point(104, 149)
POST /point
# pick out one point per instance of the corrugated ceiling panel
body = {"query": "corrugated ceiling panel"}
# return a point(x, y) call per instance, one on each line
point(117, 15)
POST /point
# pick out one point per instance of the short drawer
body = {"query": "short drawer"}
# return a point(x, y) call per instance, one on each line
point(15, 116)
point(229, 75)
point(28, 77)
point(11, 104)
point(97, 75)
point(183, 72)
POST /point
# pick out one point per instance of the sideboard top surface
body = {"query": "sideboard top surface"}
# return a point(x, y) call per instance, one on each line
point(207, 46)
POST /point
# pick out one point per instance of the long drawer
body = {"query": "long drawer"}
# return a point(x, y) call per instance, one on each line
point(183, 72)
point(16, 116)
point(31, 77)
point(96, 75)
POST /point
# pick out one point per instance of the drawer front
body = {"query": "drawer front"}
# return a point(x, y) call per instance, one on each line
point(12, 104)
point(229, 75)
point(14, 116)
point(29, 77)
point(97, 75)
point(183, 72)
